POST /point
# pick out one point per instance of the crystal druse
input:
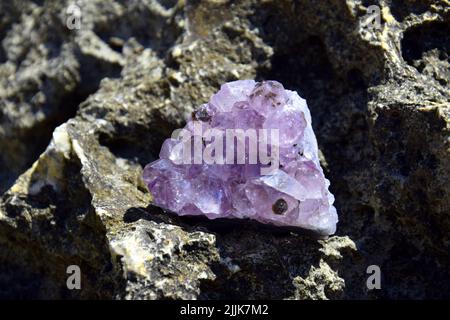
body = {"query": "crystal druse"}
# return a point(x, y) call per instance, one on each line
point(250, 152)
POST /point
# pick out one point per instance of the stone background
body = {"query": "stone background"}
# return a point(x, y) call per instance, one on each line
point(81, 111)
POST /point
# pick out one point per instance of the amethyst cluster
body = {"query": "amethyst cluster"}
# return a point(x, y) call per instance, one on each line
point(250, 152)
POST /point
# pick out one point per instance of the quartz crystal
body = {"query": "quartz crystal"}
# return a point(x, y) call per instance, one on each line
point(293, 190)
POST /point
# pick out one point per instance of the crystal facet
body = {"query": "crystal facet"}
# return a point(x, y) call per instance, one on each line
point(294, 193)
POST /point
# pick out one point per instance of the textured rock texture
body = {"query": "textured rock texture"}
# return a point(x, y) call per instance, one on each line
point(286, 189)
point(77, 105)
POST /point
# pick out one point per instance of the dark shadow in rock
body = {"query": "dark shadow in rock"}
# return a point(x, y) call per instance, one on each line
point(268, 257)
point(337, 97)
point(427, 48)
point(147, 26)
point(127, 148)
point(220, 225)
point(400, 9)
point(3, 31)
point(18, 282)
point(92, 71)
point(139, 143)
point(2, 54)
point(151, 213)
point(36, 140)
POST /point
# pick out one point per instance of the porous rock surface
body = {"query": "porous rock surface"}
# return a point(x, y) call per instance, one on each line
point(81, 111)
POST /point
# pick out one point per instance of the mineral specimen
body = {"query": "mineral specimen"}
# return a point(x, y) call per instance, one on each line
point(250, 152)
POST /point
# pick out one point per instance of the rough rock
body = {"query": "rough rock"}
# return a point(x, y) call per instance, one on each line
point(76, 105)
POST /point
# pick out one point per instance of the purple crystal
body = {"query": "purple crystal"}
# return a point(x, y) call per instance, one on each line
point(278, 179)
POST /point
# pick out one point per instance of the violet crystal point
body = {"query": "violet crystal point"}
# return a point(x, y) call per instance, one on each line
point(250, 152)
